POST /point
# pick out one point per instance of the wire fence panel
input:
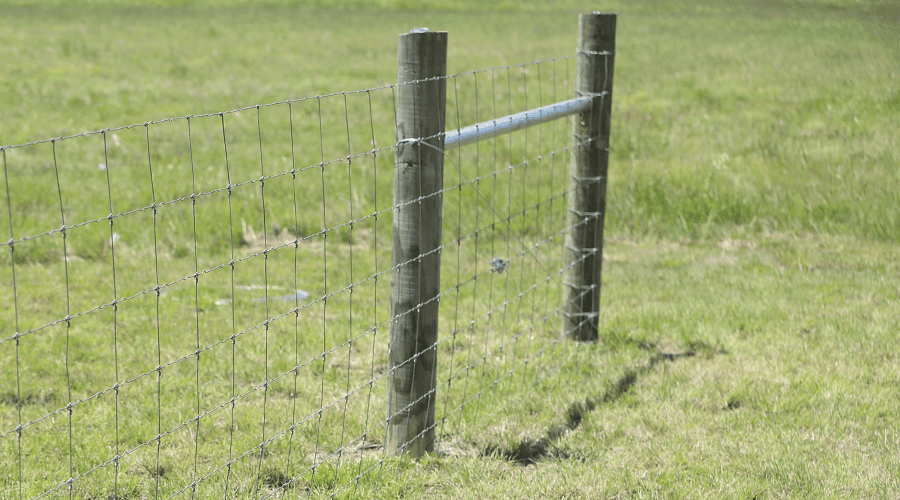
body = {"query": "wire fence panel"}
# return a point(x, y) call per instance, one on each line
point(504, 270)
point(200, 307)
point(195, 302)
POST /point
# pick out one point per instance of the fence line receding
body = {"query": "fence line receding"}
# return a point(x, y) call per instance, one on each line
point(286, 298)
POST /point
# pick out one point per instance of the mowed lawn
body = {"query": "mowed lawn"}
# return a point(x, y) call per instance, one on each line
point(749, 324)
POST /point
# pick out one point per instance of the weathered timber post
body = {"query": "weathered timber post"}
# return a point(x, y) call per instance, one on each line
point(587, 183)
point(416, 258)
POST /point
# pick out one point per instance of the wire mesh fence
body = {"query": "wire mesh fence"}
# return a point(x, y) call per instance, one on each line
point(201, 306)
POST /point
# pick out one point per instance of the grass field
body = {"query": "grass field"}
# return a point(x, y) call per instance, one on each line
point(751, 280)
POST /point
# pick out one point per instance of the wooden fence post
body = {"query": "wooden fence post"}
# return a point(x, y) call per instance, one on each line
point(587, 183)
point(416, 258)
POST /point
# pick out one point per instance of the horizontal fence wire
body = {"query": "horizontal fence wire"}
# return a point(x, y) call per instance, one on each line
point(199, 306)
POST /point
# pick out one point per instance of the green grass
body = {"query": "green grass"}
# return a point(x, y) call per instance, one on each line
point(748, 330)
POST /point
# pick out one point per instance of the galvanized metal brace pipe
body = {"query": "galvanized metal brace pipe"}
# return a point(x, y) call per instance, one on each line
point(518, 121)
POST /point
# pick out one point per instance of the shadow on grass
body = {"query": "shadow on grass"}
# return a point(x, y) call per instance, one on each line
point(529, 451)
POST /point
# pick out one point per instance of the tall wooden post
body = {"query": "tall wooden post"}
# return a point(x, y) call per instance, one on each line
point(587, 183)
point(416, 258)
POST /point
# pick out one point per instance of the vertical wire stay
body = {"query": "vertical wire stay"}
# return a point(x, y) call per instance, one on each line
point(274, 407)
point(233, 338)
point(526, 162)
point(365, 435)
point(471, 329)
point(265, 389)
point(493, 236)
point(537, 218)
point(115, 322)
point(458, 241)
point(12, 266)
point(563, 218)
point(350, 286)
point(553, 157)
point(196, 306)
point(506, 223)
point(68, 320)
point(321, 409)
point(388, 403)
point(156, 470)
point(496, 217)
point(296, 286)
point(541, 166)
